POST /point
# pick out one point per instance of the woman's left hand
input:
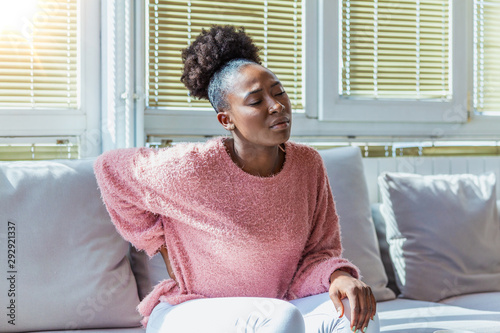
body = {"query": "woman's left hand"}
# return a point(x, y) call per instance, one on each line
point(360, 296)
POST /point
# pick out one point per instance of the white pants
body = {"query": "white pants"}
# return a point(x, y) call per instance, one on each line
point(313, 314)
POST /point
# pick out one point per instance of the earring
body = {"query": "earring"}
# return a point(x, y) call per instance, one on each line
point(231, 127)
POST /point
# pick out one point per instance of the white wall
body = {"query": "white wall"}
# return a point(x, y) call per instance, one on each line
point(427, 166)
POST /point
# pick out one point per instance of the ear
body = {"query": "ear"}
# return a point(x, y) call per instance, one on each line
point(224, 120)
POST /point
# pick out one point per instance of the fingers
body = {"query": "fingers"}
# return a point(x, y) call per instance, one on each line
point(360, 298)
point(354, 302)
point(366, 312)
point(337, 302)
point(363, 307)
point(374, 307)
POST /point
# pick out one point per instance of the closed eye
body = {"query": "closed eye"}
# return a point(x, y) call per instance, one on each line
point(281, 93)
point(255, 103)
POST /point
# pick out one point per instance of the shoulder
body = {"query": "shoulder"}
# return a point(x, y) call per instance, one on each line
point(183, 157)
point(168, 161)
point(306, 156)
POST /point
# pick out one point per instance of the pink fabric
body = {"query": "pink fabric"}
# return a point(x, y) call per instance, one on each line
point(228, 233)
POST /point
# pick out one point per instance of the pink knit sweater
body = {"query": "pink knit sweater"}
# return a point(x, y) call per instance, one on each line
point(228, 233)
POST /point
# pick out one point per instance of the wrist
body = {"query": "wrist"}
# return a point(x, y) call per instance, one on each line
point(338, 272)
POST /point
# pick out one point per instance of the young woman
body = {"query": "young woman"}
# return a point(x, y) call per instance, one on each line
point(246, 224)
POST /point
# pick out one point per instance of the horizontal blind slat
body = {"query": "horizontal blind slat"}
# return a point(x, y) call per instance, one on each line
point(38, 152)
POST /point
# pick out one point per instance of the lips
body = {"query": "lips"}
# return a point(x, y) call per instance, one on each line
point(280, 123)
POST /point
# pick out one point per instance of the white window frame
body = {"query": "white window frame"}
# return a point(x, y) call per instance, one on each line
point(83, 122)
point(328, 116)
point(335, 108)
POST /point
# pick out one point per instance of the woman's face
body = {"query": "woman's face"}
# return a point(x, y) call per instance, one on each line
point(259, 107)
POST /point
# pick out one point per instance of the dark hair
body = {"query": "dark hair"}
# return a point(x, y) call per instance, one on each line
point(212, 59)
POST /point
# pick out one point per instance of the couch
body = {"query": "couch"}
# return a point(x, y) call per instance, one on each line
point(65, 267)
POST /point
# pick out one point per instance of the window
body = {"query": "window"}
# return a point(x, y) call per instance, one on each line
point(275, 26)
point(396, 49)
point(38, 63)
point(49, 75)
point(486, 62)
point(396, 62)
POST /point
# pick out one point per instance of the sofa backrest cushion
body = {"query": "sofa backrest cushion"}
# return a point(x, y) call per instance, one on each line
point(66, 265)
point(141, 267)
point(443, 232)
point(148, 271)
point(380, 228)
point(347, 180)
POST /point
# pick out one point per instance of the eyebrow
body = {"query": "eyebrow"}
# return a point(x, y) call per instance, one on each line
point(258, 90)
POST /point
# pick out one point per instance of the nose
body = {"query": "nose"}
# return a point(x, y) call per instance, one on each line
point(276, 107)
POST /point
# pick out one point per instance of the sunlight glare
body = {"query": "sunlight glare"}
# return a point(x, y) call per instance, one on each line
point(16, 14)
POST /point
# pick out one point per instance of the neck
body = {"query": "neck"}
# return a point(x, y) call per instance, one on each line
point(261, 161)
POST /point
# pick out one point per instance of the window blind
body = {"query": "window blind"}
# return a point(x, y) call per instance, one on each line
point(275, 26)
point(486, 62)
point(38, 59)
point(395, 49)
point(38, 151)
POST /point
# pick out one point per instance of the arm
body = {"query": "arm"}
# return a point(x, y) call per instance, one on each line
point(124, 190)
point(323, 268)
point(323, 250)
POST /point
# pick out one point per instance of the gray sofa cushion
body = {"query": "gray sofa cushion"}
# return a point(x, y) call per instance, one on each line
point(347, 180)
point(139, 261)
point(102, 330)
point(480, 301)
point(148, 271)
point(70, 269)
point(380, 228)
point(410, 316)
point(443, 233)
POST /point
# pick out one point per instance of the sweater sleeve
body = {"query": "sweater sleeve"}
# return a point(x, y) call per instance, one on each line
point(124, 192)
point(323, 251)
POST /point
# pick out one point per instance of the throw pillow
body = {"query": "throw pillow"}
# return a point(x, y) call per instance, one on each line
point(347, 180)
point(66, 265)
point(443, 232)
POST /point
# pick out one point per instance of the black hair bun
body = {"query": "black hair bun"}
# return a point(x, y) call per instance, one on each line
point(210, 51)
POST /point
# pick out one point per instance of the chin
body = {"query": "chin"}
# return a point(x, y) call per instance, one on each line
point(282, 138)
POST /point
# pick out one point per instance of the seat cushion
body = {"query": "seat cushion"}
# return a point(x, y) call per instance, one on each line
point(359, 240)
point(69, 267)
point(103, 330)
point(480, 301)
point(410, 316)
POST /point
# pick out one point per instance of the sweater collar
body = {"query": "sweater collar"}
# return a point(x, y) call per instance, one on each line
point(234, 169)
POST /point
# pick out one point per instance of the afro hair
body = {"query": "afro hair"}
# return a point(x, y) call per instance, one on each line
point(209, 53)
